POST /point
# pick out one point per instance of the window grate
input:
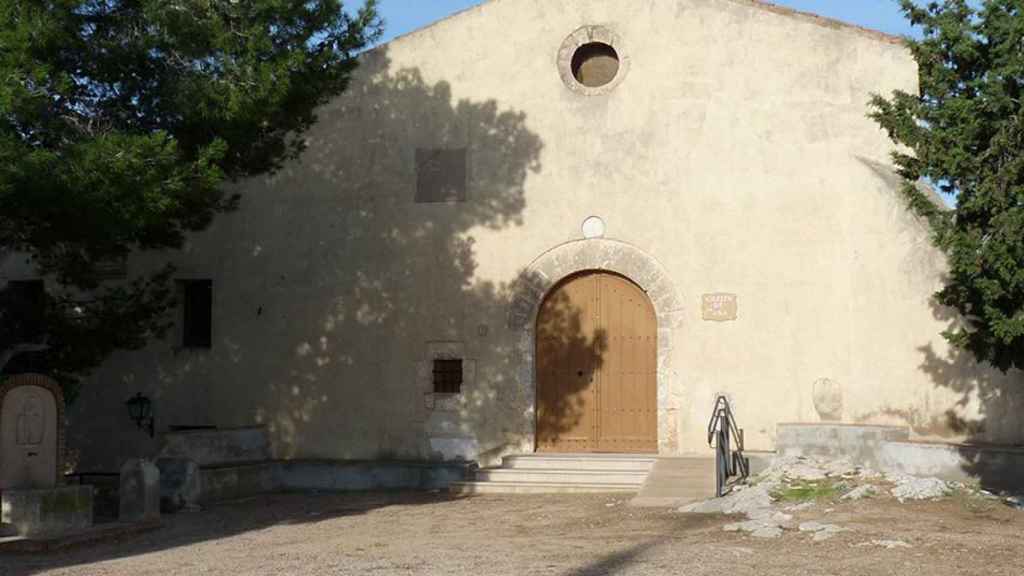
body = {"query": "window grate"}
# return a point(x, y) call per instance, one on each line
point(448, 376)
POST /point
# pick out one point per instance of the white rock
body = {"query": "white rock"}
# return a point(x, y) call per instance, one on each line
point(713, 506)
point(767, 532)
point(912, 488)
point(821, 531)
point(859, 492)
point(811, 526)
point(890, 544)
point(754, 498)
point(804, 472)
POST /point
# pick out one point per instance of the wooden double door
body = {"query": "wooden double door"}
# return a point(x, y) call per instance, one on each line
point(597, 355)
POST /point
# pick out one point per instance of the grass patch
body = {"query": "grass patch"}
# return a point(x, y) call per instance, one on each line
point(971, 499)
point(810, 491)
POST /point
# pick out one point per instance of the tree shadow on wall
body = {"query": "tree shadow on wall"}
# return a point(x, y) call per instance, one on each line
point(334, 286)
point(989, 413)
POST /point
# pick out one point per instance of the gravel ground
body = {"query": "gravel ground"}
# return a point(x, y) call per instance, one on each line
point(393, 534)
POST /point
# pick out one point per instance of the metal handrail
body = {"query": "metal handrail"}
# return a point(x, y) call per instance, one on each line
point(729, 463)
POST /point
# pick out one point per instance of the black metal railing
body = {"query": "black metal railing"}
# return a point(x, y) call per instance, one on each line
point(722, 432)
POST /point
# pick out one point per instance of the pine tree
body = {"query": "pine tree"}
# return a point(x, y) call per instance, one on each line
point(964, 132)
point(120, 123)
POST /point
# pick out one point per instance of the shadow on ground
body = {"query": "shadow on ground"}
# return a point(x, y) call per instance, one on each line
point(223, 520)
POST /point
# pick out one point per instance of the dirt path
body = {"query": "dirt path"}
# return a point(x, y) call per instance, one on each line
point(392, 534)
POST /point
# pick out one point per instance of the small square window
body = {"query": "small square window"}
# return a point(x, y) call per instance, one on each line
point(197, 313)
point(447, 376)
point(440, 175)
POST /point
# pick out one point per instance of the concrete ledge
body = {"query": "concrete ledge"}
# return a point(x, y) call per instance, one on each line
point(993, 467)
point(861, 444)
point(219, 483)
point(210, 447)
point(47, 510)
point(889, 449)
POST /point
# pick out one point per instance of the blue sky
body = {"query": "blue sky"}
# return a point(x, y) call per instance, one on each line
point(404, 16)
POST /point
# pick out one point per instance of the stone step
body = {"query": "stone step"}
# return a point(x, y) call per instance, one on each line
point(677, 481)
point(624, 462)
point(562, 476)
point(538, 488)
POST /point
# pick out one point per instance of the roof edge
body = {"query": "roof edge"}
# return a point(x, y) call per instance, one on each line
point(823, 21)
point(766, 5)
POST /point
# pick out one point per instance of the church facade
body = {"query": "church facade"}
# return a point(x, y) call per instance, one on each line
point(568, 226)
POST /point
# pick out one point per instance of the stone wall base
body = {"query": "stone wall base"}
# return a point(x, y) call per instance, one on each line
point(48, 510)
point(888, 449)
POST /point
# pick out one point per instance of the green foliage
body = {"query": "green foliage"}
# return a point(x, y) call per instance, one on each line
point(121, 121)
point(806, 491)
point(965, 132)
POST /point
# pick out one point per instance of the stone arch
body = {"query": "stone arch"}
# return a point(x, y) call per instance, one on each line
point(11, 382)
point(544, 273)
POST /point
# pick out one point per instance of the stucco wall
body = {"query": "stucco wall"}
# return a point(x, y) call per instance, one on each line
point(735, 154)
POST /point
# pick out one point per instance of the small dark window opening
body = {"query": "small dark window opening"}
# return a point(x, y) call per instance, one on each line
point(441, 175)
point(595, 64)
point(197, 313)
point(24, 310)
point(447, 376)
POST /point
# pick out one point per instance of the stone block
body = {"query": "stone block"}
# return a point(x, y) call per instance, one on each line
point(861, 444)
point(179, 483)
point(139, 492)
point(47, 511)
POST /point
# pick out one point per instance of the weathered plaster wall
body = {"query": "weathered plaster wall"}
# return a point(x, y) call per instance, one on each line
point(735, 154)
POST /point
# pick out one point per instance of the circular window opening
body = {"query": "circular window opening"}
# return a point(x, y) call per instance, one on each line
point(595, 64)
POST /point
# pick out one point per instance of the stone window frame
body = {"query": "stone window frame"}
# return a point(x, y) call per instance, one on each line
point(587, 35)
point(533, 284)
point(51, 385)
point(444, 350)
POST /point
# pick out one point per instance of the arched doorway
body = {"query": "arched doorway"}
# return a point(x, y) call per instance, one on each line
point(597, 372)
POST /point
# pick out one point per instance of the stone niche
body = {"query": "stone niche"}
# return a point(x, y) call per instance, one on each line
point(32, 497)
point(31, 442)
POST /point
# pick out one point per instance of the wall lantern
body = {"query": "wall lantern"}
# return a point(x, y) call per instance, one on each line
point(140, 410)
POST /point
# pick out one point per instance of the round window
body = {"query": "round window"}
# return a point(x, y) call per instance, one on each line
point(593, 60)
point(595, 64)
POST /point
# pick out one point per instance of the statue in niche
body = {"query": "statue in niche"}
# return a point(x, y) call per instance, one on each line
point(30, 423)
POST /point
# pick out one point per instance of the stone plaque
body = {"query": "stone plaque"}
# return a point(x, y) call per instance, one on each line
point(31, 409)
point(719, 307)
